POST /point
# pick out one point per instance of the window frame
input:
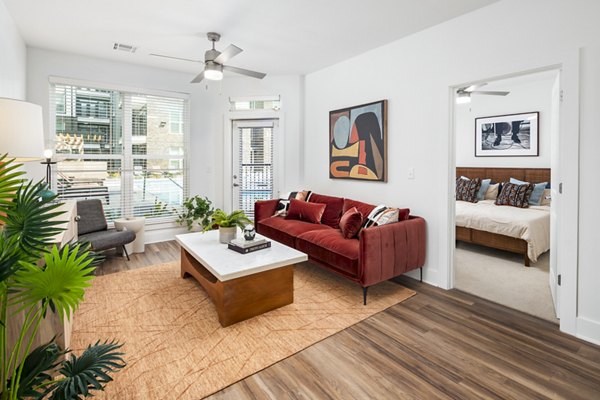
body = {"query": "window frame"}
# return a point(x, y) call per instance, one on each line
point(127, 135)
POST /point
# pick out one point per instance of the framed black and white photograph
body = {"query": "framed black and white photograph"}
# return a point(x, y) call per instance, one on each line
point(507, 135)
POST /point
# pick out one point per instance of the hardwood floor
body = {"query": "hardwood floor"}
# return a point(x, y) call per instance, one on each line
point(436, 345)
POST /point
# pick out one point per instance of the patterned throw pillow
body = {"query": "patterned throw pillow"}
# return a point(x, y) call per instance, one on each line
point(514, 195)
point(466, 189)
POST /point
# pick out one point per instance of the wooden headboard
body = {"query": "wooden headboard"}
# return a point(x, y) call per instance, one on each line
point(532, 175)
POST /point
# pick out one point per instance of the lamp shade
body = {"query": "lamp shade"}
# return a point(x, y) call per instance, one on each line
point(21, 130)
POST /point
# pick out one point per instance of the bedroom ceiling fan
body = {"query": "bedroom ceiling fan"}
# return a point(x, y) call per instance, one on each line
point(464, 93)
point(214, 62)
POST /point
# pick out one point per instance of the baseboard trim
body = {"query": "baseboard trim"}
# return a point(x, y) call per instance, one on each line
point(588, 330)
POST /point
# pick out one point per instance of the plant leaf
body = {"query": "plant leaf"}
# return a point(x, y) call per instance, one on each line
point(88, 372)
point(61, 282)
point(37, 367)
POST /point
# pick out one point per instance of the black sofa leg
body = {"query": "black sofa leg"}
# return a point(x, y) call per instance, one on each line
point(125, 251)
point(421, 274)
point(365, 295)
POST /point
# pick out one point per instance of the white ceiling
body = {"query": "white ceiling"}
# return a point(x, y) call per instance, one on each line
point(278, 36)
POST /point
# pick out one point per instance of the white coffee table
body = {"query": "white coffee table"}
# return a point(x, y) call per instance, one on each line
point(241, 286)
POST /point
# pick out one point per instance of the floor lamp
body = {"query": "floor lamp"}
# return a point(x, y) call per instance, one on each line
point(21, 130)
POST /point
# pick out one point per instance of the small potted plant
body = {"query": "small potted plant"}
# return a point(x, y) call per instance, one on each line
point(228, 224)
point(196, 212)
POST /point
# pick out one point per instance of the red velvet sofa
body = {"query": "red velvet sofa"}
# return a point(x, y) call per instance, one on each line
point(378, 254)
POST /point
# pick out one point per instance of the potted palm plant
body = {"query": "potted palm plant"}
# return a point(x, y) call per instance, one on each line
point(228, 223)
point(35, 279)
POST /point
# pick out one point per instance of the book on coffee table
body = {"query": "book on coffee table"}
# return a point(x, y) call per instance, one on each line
point(248, 246)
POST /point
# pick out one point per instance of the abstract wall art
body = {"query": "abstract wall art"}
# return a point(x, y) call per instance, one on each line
point(358, 142)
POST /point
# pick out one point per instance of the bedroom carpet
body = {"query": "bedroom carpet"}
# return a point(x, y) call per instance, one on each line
point(175, 347)
point(501, 277)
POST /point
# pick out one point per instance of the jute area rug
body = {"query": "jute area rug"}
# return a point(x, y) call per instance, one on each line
point(175, 347)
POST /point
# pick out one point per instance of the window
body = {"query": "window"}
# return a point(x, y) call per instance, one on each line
point(113, 145)
point(175, 121)
point(255, 103)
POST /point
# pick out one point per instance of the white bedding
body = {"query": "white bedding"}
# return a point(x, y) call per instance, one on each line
point(530, 224)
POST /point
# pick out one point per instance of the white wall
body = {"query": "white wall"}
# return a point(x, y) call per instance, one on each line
point(589, 273)
point(13, 56)
point(415, 74)
point(535, 94)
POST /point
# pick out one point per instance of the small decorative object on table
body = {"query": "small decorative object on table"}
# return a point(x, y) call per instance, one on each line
point(248, 246)
point(228, 223)
point(249, 232)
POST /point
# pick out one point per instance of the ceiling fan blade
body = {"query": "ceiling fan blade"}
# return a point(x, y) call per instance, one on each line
point(491, 93)
point(198, 78)
point(176, 58)
point(230, 52)
point(243, 71)
point(473, 87)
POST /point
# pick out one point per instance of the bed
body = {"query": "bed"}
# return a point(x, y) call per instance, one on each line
point(522, 231)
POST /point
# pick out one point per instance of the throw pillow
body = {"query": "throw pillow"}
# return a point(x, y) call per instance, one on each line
point(364, 208)
point(466, 189)
point(284, 203)
point(492, 192)
point(304, 211)
point(538, 190)
point(333, 209)
point(350, 223)
point(382, 215)
point(282, 208)
point(514, 195)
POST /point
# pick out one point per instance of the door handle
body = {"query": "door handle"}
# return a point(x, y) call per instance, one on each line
point(235, 185)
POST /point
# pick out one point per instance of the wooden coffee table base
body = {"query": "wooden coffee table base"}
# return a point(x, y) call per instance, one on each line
point(246, 297)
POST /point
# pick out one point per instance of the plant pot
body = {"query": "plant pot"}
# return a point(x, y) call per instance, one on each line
point(227, 234)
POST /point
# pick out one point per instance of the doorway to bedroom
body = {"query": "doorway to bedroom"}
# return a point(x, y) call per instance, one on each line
point(506, 155)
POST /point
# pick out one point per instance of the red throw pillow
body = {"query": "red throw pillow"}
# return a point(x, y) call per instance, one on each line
point(351, 222)
point(304, 211)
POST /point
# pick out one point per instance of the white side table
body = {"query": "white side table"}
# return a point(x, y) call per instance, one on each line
point(136, 225)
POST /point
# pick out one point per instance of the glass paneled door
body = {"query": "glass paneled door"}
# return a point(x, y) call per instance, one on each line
point(252, 172)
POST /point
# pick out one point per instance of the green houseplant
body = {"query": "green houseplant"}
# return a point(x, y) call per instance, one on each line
point(228, 223)
point(195, 210)
point(36, 279)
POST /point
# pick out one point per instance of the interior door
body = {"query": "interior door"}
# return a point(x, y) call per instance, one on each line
point(555, 202)
point(253, 166)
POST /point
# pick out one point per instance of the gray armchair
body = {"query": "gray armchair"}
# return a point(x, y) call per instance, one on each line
point(92, 228)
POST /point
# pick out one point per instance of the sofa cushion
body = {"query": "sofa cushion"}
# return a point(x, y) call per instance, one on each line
point(303, 211)
point(286, 230)
point(333, 209)
point(330, 247)
point(364, 208)
point(350, 223)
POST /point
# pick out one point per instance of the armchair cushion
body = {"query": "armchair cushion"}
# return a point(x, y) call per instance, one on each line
point(108, 239)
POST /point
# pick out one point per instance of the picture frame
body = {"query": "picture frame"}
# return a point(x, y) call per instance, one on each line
point(510, 135)
point(358, 142)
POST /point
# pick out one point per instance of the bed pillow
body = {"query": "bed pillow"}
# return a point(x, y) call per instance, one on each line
point(466, 189)
point(538, 191)
point(485, 184)
point(546, 197)
point(350, 223)
point(492, 192)
point(304, 211)
point(514, 195)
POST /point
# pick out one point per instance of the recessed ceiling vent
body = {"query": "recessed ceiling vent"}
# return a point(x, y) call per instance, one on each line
point(124, 47)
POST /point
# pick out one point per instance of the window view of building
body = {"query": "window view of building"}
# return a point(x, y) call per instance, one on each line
point(120, 147)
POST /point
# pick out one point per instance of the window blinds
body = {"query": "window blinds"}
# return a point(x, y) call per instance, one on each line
point(126, 148)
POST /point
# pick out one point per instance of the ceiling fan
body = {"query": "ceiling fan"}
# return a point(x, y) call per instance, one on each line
point(464, 93)
point(214, 62)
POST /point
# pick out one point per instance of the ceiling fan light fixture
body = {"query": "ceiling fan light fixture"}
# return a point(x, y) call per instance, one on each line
point(213, 72)
point(463, 98)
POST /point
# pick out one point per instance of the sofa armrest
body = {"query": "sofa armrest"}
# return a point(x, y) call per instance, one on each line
point(391, 250)
point(264, 209)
